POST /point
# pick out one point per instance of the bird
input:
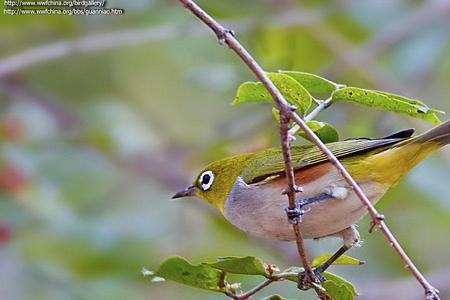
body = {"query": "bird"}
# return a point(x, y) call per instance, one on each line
point(248, 188)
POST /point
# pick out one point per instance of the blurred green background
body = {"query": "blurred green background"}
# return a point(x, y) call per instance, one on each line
point(103, 118)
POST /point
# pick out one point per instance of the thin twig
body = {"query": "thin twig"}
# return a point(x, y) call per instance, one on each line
point(286, 110)
point(231, 295)
point(430, 291)
point(269, 279)
point(378, 77)
point(286, 114)
point(404, 288)
point(256, 289)
point(291, 190)
point(316, 111)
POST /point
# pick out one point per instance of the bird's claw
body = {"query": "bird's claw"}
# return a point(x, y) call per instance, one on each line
point(432, 294)
point(380, 217)
point(304, 283)
point(295, 215)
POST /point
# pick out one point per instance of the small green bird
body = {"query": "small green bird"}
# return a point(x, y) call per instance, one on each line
point(247, 188)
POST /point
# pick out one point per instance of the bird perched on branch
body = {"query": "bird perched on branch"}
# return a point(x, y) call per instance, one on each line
point(247, 188)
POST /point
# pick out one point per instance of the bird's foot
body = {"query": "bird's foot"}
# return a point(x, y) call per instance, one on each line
point(304, 282)
point(295, 215)
point(373, 224)
point(432, 294)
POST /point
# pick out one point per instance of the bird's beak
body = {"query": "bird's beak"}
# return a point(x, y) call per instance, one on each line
point(189, 191)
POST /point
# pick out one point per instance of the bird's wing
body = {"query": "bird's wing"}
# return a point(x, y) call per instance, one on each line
point(267, 164)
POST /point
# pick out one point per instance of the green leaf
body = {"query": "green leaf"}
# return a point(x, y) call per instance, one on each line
point(414, 102)
point(276, 297)
point(339, 288)
point(336, 291)
point(276, 114)
point(293, 92)
point(314, 84)
point(252, 92)
point(248, 265)
point(342, 260)
point(325, 131)
point(389, 102)
point(179, 270)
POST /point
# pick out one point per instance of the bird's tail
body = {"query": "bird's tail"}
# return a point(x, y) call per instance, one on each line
point(439, 134)
point(403, 156)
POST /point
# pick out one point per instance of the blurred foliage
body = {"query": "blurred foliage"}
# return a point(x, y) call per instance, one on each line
point(94, 144)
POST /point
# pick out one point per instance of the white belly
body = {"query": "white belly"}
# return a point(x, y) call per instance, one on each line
point(260, 209)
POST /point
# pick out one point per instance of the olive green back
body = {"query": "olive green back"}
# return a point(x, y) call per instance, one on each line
point(270, 162)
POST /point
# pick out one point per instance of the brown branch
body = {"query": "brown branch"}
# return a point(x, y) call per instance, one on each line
point(404, 288)
point(291, 190)
point(316, 111)
point(378, 77)
point(256, 289)
point(269, 279)
point(430, 291)
point(287, 112)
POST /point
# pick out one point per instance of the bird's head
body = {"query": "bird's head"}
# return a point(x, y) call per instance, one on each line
point(213, 184)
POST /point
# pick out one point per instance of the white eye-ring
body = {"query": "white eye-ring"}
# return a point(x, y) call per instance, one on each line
point(206, 180)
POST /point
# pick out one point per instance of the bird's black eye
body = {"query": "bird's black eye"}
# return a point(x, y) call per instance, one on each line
point(206, 180)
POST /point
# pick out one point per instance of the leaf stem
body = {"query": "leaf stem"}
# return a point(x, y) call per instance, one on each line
point(316, 111)
point(270, 279)
point(256, 289)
